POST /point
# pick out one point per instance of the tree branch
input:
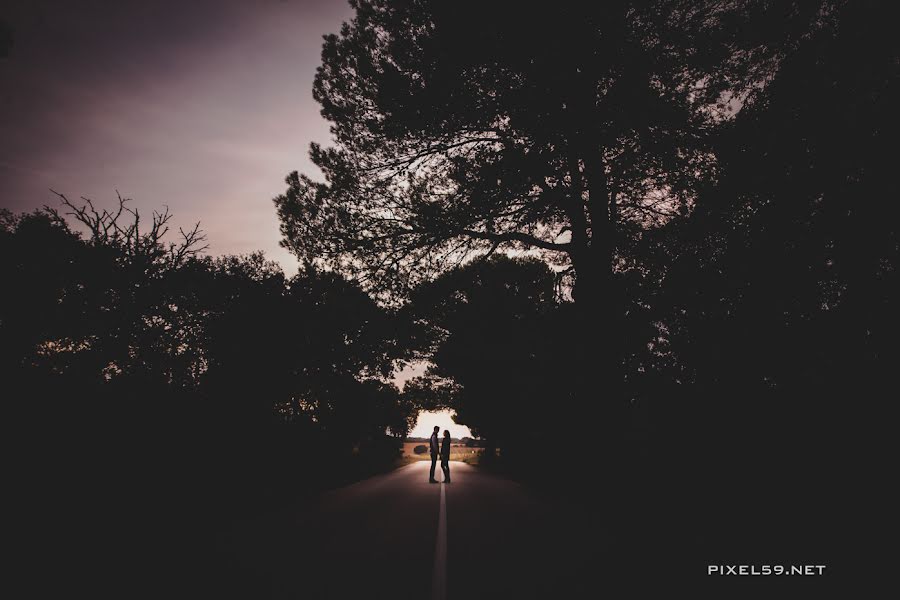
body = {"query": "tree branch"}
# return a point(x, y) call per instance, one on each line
point(516, 236)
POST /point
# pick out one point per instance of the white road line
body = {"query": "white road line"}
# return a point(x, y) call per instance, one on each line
point(439, 581)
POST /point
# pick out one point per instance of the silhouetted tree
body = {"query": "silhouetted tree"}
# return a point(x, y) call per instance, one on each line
point(124, 305)
point(187, 389)
point(781, 283)
point(499, 356)
point(777, 303)
point(41, 257)
point(564, 132)
point(123, 315)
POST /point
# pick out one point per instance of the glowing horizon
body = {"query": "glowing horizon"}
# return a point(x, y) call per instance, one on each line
point(443, 419)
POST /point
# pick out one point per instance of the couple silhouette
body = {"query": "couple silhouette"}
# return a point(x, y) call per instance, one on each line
point(442, 449)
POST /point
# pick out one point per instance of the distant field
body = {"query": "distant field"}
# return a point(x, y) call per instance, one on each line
point(457, 452)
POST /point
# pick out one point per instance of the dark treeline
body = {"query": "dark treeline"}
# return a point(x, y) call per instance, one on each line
point(648, 248)
point(707, 321)
point(155, 395)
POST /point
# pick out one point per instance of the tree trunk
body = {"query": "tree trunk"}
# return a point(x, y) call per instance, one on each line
point(599, 308)
point(600, 354)
point(599, 385)
point(605, 311)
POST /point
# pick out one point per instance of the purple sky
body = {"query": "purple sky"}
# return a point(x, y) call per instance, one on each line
point(201, 105)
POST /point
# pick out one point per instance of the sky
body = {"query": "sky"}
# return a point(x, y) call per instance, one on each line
point(203, 106)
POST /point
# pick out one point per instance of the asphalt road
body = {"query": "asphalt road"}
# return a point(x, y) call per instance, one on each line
point(397, 536)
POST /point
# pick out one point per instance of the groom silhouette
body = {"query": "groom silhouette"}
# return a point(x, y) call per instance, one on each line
point(435, 448)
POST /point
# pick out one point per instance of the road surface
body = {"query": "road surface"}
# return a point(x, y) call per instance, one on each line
point(397, 536)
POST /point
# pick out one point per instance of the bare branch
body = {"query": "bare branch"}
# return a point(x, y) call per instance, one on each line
point(107, 228)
